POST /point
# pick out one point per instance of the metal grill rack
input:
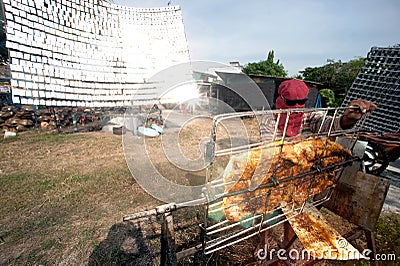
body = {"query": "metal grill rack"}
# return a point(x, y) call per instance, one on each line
point(218, 231)
point(378, 81)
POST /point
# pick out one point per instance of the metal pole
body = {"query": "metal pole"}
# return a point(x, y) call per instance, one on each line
point(75, 123)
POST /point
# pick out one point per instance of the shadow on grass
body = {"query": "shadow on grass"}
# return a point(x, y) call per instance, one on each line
point(129, 243)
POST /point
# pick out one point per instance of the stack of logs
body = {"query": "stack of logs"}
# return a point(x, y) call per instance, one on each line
point(18, 119)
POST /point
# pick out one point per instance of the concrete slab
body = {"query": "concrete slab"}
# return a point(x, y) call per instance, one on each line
point(392, 202)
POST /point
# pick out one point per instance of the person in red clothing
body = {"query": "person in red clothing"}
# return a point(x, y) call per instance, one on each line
point(292, 94)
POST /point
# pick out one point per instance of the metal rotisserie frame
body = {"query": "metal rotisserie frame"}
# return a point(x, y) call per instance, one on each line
point(218, 231)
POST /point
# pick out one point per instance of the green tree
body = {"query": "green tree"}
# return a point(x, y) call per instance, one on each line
point(335, 75)
point(266, 67)
point(347, 73)
point(330, 99)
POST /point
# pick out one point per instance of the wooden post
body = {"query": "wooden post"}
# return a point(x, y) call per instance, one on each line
point(168, 254)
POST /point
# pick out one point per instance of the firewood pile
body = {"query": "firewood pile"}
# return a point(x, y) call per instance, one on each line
point(23, 118)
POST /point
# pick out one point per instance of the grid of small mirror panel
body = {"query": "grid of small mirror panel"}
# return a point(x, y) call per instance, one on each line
point(90, 52)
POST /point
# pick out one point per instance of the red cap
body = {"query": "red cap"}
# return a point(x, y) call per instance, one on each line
point(293, 89)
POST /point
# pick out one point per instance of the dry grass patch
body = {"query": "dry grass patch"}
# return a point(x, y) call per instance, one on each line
point(61, 194)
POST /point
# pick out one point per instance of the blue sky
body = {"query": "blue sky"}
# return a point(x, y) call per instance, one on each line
point(302, 33)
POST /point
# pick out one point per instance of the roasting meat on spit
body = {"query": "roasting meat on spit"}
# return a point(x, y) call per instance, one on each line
point(311, 162)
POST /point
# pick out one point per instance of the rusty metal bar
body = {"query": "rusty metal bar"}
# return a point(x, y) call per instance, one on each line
point(158, 210)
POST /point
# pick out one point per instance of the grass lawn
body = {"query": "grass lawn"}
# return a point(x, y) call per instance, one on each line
point(61, 194)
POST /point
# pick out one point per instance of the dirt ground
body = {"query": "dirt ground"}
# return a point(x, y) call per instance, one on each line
point(64, 197)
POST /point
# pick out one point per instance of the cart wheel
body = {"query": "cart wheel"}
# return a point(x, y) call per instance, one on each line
point(375, 159)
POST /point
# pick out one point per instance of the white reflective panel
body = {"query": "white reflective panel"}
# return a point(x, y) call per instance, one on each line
point(28, 85)
point(16, 99)
point(9, 16)
point(41, 84)
point(14, 83)
point(18, 91)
